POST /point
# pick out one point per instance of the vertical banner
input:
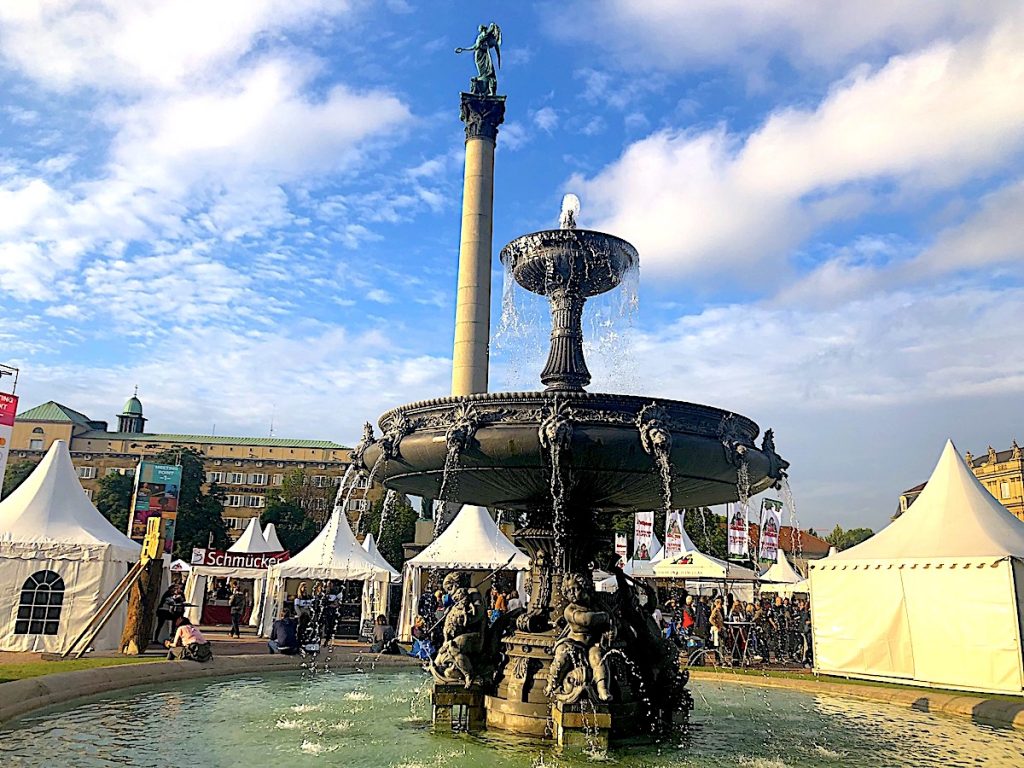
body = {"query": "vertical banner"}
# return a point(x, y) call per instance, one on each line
point(643, 535)
point(674, 533)
point(739, 530)
point(156, 493)
point(8, 410)
point(621, 548)
point(771, 524)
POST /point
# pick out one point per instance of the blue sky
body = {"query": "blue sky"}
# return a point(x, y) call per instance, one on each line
point(251, 210)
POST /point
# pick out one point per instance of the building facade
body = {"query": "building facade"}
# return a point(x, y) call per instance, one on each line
point(1001, 472)
point(247, 469)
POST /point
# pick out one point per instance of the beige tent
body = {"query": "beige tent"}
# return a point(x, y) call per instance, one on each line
point(933, 599)
point(59, 560)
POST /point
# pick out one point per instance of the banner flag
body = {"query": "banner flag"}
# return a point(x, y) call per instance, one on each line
point(771, 524)
point(739, 530)
point(674, 533)
point(621, 548)
point(223, 559)
point(643, 535)
point(156, 493)
point(8, 410)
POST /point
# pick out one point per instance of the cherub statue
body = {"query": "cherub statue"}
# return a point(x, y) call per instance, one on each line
point(463, 633)
point(486, 81)
point(584, 640)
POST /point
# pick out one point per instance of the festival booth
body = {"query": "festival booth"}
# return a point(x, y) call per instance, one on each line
point(472, 542)
point(334, 555)
point(637, 569)
point(208, 588)
point(782, 579)
point(377, 593)
point(59, 560)
point(270, 536)
point(884, 609)
point(704, 574)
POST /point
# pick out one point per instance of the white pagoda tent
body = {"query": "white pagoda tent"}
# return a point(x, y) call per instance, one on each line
point(472, 542)
point(252, 540)
point(334, 554)
point(883, 610)
point(59, 559)
point(270, 536)
point(377, 593)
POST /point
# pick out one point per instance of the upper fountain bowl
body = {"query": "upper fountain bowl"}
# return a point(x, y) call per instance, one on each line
point(553, 259)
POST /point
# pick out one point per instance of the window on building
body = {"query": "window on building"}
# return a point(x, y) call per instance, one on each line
point(362, 481)
point(257, 478)
point(35, 445)
point(255, 501)
point(88, 493)
point(215, 477)
point(319, 505)
point(111, 471)
point(319, 481)
point(336, 480)
point(236, 523)
point(277, 480)
point(359, 505)
point(232, 500)
point(87, 473)
point(236, 478)
point(1004, 490)
point(42, 596)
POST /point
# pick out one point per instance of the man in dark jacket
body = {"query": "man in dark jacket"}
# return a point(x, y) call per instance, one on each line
point(284, 636)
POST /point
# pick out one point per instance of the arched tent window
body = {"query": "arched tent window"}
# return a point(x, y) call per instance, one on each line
point(42, 596)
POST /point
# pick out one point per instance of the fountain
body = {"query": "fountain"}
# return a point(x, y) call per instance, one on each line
point(574, 665)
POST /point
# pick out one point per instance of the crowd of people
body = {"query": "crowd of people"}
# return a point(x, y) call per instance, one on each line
point(433, 605)
point(770, 630)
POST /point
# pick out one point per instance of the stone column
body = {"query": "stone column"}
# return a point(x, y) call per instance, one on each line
point(482, 116)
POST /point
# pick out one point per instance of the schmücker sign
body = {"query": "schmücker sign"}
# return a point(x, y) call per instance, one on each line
point(222, 559)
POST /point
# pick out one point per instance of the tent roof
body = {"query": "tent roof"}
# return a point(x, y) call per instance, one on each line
point(270, 534)
point(50, 508)
point(472, 541)
point(252, 539)
point(370, 545)
point(953, 517)
point(180, 566)
point(333, 554)
point(781, 572)
point(694, 564)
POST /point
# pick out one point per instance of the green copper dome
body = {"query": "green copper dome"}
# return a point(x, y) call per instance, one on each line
point(133, 407)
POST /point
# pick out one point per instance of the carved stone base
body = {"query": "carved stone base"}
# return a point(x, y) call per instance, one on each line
point(457, 708)
point(581, 727)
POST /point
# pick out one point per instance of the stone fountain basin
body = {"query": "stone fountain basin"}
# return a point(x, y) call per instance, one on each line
point(550, 259)
point(504, 464)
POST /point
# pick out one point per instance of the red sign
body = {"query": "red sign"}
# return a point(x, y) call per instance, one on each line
point(222, 559)
point(8, 409)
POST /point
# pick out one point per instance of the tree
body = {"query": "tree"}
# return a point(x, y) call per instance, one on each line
point(16, 474)
point(200, 515)
point(114, 499)
point(841, 539)
point(399, 528)
point(294, 527)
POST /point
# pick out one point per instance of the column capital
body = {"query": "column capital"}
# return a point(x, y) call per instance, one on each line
point(482, 115)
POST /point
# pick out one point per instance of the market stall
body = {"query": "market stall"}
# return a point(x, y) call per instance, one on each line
point(936, 598)
point(782, 579)
point(376, 593)
point(59, 559)
point(704, 574)
point(472, 542)
point(336, 563)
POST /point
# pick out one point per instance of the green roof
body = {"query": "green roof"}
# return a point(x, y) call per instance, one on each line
point(54, 411)
point(132, 407)
point(269, 442)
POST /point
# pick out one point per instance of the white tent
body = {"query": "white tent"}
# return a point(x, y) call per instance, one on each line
point(472, 542)
point(883, 610)
point(252, 539)
point(781, 571)
point(180, 566)
point(695, 565)
point(641, 569)
point(59, 559)
point(270, 535)
point(376, 593)
point(333, 554)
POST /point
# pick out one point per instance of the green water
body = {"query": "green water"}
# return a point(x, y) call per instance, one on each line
point(381, 719)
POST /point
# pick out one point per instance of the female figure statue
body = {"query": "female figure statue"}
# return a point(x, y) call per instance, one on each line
point(486, 81)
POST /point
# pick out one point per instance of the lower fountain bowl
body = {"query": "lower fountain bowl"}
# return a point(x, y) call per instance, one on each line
point(486, 449)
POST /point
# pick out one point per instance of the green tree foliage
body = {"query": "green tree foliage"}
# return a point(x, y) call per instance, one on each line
point(200, 515)
point(841, 539)
point(399, 529)
point(15, 476)
point(114, 499)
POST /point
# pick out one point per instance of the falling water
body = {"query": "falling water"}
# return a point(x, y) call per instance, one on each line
point(390, 501)
point(558, 503)
point(449, 487)
point(664, 463)
point(519, 341)
point(608, 336)
point(794, 520)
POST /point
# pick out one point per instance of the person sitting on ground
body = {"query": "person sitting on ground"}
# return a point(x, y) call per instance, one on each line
point(188, 643)
point(284, 634)
point(384, 639)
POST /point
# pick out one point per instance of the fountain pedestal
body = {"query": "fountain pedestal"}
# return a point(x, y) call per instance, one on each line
point(581, 726)
point(457, 708)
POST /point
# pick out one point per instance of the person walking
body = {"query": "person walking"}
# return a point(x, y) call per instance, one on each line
point(237, 605)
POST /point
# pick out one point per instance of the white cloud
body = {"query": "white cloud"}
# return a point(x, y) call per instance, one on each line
point(714, 200)
point(546, 118)
point(668, 35)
